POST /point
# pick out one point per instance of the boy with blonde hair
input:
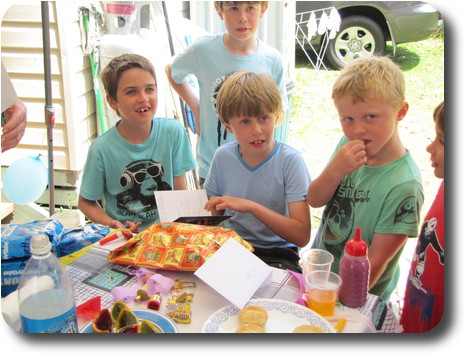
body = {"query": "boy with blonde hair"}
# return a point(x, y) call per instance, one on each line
point(212, 59)
point(371, 180)
point(139, 155)
point(261, 183)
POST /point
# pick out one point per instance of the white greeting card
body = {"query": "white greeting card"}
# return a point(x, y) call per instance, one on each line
point(235, 273)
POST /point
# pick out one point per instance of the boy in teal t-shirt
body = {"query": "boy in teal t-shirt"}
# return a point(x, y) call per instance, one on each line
point(371, 180)
point(141, 154)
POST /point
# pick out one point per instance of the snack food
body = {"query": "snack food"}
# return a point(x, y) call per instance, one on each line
point(174, 246)
point(254, 315)
point(308, 329)
point(250, 328)
point(102, 322)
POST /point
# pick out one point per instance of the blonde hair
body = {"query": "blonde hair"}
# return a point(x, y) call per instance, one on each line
point(112, 73)
point(248, 94)
point(439, 116)
point(373, 77)
point(220, 4)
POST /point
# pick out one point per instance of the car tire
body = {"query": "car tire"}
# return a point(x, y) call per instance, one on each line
point(358, 36)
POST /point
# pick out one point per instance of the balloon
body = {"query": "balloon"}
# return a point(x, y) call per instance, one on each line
point(25, 180)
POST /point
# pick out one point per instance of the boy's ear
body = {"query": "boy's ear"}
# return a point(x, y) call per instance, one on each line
point(219, 11)
point(228, 128)
point(402, 111)
point(263, 9)
point(113, 104)
point(280, 119)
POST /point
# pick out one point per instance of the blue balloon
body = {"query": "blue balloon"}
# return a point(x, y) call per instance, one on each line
point(25, 180)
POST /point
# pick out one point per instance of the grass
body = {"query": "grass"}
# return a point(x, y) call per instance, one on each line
point(314, 125)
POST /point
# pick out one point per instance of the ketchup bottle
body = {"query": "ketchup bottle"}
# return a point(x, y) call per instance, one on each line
point(354, 272)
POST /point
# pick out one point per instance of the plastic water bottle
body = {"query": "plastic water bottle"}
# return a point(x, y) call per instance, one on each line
point(354, 272)
point(45, 292)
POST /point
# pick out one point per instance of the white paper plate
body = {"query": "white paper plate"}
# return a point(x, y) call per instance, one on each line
point(284, 317)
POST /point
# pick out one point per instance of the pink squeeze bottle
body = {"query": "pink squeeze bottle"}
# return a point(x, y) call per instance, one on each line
point(354, 271)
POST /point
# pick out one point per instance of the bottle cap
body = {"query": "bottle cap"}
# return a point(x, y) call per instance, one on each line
point(356, 246)
point(40, 244)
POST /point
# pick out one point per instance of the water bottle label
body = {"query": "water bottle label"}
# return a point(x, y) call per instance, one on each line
point(65, 323)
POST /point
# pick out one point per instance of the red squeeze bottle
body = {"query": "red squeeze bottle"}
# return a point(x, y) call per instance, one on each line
point(354, 272)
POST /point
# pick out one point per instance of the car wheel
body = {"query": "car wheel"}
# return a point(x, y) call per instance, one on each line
point(358, 36)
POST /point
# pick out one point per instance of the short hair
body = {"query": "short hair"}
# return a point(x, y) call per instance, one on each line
point(220, 4)
point(112, 73)
point(248, 94)
point(371, 77)
point(439, 116)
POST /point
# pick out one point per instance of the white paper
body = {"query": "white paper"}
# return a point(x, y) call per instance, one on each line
point(235, 273)
point(173, 204)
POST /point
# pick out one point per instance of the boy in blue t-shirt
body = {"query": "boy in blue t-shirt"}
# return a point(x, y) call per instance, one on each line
point(260, 182)
point(139, 155)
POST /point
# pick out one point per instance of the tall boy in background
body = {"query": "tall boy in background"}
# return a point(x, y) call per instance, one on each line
point(371, 180)
point(212, 59)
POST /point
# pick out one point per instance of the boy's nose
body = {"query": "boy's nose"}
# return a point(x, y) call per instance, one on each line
point(359, 130)
point(256, 128)
point(142, 97)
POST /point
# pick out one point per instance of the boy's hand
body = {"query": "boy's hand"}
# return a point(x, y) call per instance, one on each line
point(350, 157)
point(131, 226)
point(236, 204)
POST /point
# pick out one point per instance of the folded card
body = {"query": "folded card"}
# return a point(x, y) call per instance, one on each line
point(173, 204)
point(235, 273)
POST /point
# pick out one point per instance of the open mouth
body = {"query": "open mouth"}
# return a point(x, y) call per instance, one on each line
point(257, 142)
point(143, 110)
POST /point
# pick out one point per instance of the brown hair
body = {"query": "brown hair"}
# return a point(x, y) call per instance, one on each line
point(220, 4)
point(372, 77)
point(112, 73)
point(439, 116)
point(248, 94)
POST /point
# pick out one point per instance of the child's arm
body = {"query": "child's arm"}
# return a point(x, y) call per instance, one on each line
point(295, 229)
point(350, 157)
point(188, 95)
point(93, 211)
point(180, 182)
point(382, 250)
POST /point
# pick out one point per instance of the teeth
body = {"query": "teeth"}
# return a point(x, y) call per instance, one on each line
point(142, 110)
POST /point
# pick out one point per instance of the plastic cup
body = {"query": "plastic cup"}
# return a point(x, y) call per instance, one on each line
point(322, 289)
point(315, 260)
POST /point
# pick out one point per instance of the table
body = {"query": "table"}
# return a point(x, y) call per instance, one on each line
point(94, 276)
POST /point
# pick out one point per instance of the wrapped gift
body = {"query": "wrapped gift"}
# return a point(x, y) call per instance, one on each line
point(174, 246)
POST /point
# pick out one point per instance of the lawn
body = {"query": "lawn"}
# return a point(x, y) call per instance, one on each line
point(314, 125)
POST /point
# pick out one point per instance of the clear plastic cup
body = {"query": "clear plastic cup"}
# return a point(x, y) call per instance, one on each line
point(315, 260)
point(322, 288)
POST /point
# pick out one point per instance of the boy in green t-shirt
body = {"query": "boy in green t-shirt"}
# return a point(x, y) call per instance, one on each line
point(371, 180)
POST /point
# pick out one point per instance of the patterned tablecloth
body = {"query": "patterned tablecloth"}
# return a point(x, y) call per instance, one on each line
point(93, 276)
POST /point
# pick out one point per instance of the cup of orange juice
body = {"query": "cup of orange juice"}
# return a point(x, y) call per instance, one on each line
point(322, 289)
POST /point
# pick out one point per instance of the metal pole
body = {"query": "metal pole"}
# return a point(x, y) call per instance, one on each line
point(49, 110)
point(182, 104)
